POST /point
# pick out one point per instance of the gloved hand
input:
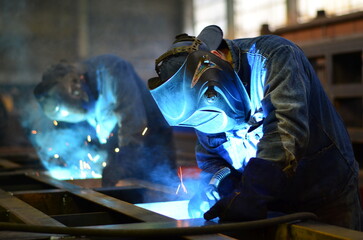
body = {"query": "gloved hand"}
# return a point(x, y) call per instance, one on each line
point(262, 182)
point(238, 206)
point(198, 205)
point(208, 195)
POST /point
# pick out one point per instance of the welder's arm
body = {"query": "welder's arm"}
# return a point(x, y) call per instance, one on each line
point(249, 200)
point(130, 110)
point(209, 162)
point(285, 106)
point(286, 132)
point(208, 193)
point(217, 178)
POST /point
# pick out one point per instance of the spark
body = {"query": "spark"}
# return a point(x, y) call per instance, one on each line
point(117, 150)
point(56, 155)
point(86, 165)
point(181, 184)
point(96, 175)
point(93, 159)
point(104, 164)
point(89, 139)
point(96, 158)
point(143, 132)
point(55, 123)
point(34, 132)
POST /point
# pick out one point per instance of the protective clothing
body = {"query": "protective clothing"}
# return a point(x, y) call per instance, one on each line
point(295, 153)
point(209, 193)
point(144, 137)
point(301, 132)
point(117, 102)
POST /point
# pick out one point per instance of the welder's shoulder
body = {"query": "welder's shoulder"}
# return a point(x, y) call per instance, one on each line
point(265, 44)
point(107, 59)
point(273, 41)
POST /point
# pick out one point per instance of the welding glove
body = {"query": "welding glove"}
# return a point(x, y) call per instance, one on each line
point(261, 182)
point(198, 205)
point(208, 194)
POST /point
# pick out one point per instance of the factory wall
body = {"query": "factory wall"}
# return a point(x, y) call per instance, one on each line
point(37, 33)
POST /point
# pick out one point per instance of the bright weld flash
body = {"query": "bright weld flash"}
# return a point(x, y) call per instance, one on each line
point(89, 139)
point(55, 123)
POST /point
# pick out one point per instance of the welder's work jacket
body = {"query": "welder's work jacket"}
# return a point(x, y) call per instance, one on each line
point(122, 101)
point(116, 95)
point(293, 124)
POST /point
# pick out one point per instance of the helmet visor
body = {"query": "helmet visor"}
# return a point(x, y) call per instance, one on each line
point(204, 89)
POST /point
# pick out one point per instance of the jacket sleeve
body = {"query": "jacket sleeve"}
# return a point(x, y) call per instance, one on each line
point(128, 102)
point(286, 133)
point(285, 105)
point(209, 152)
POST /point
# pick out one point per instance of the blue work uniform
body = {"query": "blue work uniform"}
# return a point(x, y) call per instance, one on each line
point(293, 127)
point(123, 105)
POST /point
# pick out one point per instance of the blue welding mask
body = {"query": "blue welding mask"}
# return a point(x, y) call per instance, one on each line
point(205, 93)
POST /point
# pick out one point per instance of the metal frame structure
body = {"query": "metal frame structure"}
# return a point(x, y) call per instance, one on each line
point(31, 197)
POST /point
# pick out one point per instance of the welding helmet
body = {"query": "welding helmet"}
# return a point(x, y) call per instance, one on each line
point(61, 94)
point(205, 92)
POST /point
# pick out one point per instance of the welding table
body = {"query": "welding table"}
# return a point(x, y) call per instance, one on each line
point(33, 197)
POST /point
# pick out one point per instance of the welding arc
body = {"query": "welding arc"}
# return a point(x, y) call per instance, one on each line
point(147, 232)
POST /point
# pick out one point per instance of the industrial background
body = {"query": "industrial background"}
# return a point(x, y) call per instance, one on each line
point(37, 33)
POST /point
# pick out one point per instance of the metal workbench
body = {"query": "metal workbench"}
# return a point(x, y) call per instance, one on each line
point(28, 196)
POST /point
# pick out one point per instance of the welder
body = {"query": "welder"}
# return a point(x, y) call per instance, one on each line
point(269, 140)
point(106, 92)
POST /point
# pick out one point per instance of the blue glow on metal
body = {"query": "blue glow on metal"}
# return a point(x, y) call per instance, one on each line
point(67, 153)
point(174, 209)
